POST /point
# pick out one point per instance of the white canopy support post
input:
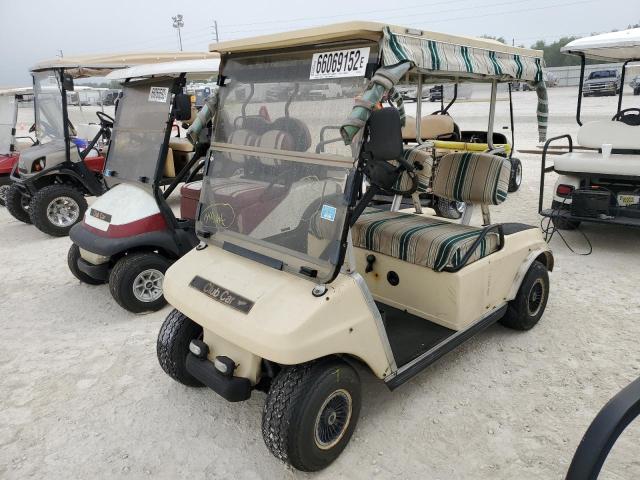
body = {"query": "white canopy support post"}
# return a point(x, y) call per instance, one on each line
point(492, 114)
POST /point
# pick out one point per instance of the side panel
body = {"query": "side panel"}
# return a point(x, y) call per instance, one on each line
point(453, 300)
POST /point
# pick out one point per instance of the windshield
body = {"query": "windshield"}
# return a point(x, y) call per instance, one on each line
point(602, 74)
point(279, 167)
point(139, 131)
point(8, 112)
point(48, 106)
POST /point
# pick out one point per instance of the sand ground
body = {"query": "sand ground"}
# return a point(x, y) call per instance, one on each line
point(82, 395)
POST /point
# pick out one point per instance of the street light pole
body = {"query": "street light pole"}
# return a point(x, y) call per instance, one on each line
point(178, 23)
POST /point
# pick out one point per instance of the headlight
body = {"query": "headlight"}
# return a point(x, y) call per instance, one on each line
point(38, 164)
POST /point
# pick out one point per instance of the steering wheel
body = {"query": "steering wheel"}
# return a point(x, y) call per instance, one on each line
point(105, 120)
point(385, 176)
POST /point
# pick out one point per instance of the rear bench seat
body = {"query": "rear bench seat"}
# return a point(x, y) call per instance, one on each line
point(432, 242)
point(432, 127)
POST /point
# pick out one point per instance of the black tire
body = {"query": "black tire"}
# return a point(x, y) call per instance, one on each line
point(70, 198)
point(562, 223)
point(17, 204)
point(72, 262)
point(292, 421)
point(172, 346)
point(525, 310)
point(124, 275)
point(448, 208)
point(515, 180)
point(3, 195)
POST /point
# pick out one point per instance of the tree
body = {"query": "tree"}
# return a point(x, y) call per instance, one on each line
point(490, 37)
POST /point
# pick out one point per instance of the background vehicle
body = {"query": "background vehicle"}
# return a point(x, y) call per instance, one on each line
point(9, 147)
point(284, 227)
point(602, 82)
point(130, 235)
point(325, 91)
point(600, 182)
point(53, 178)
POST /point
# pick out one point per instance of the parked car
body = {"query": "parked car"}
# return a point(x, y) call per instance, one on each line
point(602, 82)
point(325, 91)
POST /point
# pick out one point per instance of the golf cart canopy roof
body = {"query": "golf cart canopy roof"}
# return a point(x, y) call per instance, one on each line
point(436, 54)
point(101, 65)
point(614, 46)
point(195, 68)
point(17, 91)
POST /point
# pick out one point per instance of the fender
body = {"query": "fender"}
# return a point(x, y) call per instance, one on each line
point(524, 268)
point(93, 186)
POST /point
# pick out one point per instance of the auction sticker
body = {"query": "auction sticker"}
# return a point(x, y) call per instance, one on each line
point(339, 63)
point(328, 213)
point(159, 94)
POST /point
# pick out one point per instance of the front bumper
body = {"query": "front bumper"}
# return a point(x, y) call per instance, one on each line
point(233, 389)
point(99, 272)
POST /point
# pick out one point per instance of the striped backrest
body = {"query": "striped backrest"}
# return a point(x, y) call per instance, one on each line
point(472, 177)
point(423, 161)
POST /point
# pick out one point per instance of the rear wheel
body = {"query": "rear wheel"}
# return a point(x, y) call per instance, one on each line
point(17, 204)
point(56, 208)
point(172, 346)
point(311, 412)
point(448, 208)
point(136, 282)
point(72, 261)
point(562, 223)
point(525, 310)
point(516, 175)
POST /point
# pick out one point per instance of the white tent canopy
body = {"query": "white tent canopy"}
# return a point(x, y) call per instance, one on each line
point(613, 46)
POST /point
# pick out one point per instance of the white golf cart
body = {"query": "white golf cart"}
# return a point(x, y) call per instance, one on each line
point(52, 178)
point(296, 278)
point(10, 99)
point(599, 178)
point(130, 235)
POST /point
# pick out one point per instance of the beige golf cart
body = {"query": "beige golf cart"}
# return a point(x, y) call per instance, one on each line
point(296, 279)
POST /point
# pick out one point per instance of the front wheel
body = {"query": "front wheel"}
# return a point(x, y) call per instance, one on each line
point(448, 208)
point(311, 412)
point(525, 310)
point(72, 261)
point(17, 204)
point(516, 175)
point(3, 195)
point(56, 208)
point(136, 281)
point(172, 346)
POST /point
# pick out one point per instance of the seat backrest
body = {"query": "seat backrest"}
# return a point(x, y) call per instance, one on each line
point(472, 177)
point(169, 165)
point(422, 160)
point(275, 140)
point(432, 127)
point(297, 129)
point(618, 134)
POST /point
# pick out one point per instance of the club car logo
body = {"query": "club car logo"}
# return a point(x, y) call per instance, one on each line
point(105, 217)
point(221, 294)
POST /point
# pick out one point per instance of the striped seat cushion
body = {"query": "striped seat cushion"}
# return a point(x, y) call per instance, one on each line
point(420, 240)
point(423, 161)
point(472, 177)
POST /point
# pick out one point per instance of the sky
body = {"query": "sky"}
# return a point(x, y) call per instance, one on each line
point(39, 32)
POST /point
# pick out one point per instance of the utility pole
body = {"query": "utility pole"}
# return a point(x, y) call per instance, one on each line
point(178, 23)
point(215, 30)
point(60, 55)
